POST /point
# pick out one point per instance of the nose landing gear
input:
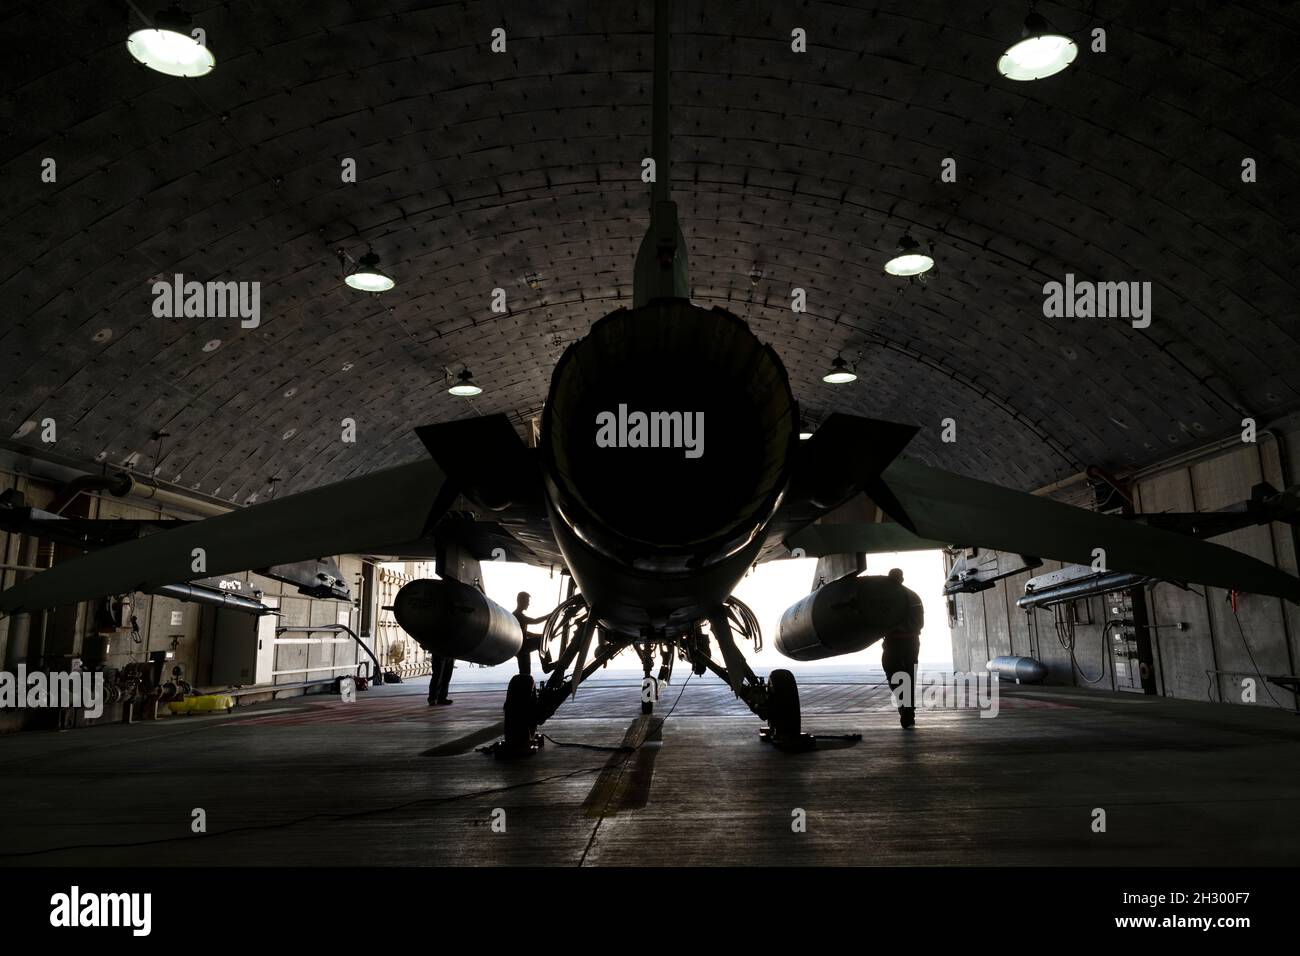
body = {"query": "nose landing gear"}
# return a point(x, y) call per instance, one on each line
point(651, 686)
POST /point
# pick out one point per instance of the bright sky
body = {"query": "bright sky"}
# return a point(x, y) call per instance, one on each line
point(769, 590)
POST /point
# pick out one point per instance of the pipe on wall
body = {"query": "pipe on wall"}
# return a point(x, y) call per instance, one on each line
point(166, 497)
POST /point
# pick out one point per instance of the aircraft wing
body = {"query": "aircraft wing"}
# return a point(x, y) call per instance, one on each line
point(479, 461)
point(521, 535)
point(819, 540)
point(366, 514)
point(965, 512)
point(930, 508)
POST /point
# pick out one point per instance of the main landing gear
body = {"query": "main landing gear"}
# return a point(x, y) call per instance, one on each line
point(527, 706)
point(775, 700)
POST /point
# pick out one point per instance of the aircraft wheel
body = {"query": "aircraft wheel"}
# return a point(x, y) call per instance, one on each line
point(783, 705)
point(520, 712)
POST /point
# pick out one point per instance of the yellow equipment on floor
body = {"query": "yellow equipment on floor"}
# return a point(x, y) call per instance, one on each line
point(202, 704)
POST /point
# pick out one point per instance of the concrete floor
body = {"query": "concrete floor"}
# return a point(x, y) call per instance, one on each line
point(389, 780)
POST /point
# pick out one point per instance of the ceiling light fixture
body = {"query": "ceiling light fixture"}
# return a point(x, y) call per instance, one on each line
point(840, 373)
point(166, 45)
point(910, 261)
point(368, 277)
point(805, 430)
point(464, 386)
point(1041, 52)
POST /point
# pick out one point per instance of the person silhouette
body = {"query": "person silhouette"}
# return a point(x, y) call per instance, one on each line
point(900, 651)
point(532, 642)
point(440, 679)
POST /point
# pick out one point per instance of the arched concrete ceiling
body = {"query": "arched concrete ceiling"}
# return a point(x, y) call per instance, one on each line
point(477, 169)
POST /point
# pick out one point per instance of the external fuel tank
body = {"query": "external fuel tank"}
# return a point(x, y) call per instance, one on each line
point(452, 619)
point(846, 615)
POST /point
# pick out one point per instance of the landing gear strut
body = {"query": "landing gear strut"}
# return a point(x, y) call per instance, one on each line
point(649, 685)
point(528, 707)
point(775, 700)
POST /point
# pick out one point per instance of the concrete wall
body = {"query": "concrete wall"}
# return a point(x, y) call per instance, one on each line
point(991, 624)
point(186, 629)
